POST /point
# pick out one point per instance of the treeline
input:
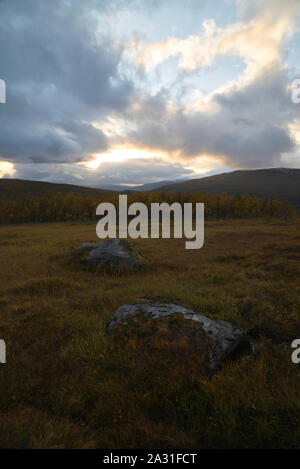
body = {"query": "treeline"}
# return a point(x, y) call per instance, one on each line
point(54, 206)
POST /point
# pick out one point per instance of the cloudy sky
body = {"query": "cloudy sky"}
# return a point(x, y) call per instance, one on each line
point(132, 91)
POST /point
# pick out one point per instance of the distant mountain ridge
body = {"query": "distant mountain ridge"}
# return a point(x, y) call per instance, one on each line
point(279, 183)
point(150, 186)
point(11, 189)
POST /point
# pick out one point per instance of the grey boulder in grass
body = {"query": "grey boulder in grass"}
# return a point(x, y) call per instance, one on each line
point(114, 255)
point(226, 339)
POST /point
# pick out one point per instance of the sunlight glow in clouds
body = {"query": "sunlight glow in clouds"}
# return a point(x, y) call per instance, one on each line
point(6, 169)
point(120, 154)
point(202, 165)
point(131, 91)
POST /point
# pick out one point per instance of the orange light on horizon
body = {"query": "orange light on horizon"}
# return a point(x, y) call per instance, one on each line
point(120, 154)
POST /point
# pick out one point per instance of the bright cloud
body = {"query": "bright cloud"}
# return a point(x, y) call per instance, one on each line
point(135, 91)
point(120, 154)
point(258, 42)
point(6, 169)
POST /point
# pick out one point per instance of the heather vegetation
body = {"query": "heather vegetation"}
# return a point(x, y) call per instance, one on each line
point(68, 382)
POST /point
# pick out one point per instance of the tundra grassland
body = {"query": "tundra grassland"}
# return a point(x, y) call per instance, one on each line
point(68, 383)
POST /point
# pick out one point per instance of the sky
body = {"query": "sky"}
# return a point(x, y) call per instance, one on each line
point(102, 92)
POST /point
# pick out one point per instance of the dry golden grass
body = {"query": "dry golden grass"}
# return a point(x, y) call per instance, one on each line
point(69, 384)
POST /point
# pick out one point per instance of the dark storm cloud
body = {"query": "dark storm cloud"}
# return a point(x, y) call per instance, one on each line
point(129, 172)
point(249, 128)
point(62, 68)
point(60, 77)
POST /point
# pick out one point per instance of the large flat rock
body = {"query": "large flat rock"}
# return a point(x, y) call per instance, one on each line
point(114, 255)
point(226, 339)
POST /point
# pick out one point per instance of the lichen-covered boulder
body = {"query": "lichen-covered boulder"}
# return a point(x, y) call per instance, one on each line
point(114, 256)
point(225, 338)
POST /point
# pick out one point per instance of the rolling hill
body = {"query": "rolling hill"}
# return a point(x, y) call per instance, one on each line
point(14, 189)
point(279, 183)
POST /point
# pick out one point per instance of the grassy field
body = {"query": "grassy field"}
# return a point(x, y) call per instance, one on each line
point(68, 383)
